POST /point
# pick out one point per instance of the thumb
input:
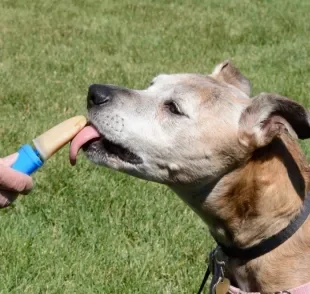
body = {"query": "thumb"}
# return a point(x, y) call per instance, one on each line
point(9, 160)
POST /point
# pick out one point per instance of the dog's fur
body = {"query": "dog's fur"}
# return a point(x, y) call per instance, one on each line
point(235, 161)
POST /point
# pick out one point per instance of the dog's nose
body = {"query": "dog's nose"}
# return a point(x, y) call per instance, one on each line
point(98, 94)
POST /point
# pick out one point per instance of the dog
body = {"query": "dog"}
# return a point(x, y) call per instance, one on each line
point(234, 160)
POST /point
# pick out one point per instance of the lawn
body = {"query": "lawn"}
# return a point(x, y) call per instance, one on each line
point(88, 229)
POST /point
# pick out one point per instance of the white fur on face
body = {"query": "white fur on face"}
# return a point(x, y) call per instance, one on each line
point(174, 148)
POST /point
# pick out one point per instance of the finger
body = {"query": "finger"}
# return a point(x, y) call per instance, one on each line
point(6, 198)
point(14, 180)
point(9, 160)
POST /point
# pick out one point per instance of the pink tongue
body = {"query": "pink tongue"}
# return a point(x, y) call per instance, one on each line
point(84, 136)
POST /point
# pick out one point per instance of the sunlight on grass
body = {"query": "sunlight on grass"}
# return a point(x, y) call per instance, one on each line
point(88, 229)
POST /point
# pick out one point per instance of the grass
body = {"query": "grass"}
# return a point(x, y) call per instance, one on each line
point(88, 229)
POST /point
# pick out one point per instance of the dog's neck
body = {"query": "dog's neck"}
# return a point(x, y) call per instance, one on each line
point(254, 202)
point(265, 194)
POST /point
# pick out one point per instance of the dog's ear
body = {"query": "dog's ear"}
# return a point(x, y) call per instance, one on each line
point(268, 116)
point(226, 72)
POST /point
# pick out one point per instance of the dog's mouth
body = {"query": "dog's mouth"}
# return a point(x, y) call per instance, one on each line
point(91, 141)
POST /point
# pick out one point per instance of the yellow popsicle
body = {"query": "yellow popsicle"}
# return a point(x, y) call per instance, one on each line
point(55, 138)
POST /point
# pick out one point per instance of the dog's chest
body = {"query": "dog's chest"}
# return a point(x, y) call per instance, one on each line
point(242, 276)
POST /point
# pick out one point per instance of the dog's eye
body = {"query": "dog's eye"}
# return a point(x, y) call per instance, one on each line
point(173, 108)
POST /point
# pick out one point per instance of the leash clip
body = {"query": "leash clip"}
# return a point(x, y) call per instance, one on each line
point(221, 286)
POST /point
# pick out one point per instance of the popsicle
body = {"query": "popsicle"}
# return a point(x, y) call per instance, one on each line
point(30, 159)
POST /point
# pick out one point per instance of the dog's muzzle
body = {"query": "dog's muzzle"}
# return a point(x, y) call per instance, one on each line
point(99, 95)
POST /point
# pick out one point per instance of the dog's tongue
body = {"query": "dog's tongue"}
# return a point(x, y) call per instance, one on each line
point(84, 136)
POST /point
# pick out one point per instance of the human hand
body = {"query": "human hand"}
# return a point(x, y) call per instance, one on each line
point(12, 182)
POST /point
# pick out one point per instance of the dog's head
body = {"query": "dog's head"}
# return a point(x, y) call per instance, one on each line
point(185, 128)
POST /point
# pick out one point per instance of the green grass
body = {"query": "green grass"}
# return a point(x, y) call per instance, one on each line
point(88, 229)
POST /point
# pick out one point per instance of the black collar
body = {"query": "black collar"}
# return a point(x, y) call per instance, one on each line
point(273, 242)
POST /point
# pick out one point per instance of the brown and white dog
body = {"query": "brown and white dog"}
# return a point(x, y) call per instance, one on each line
point(234, 160)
